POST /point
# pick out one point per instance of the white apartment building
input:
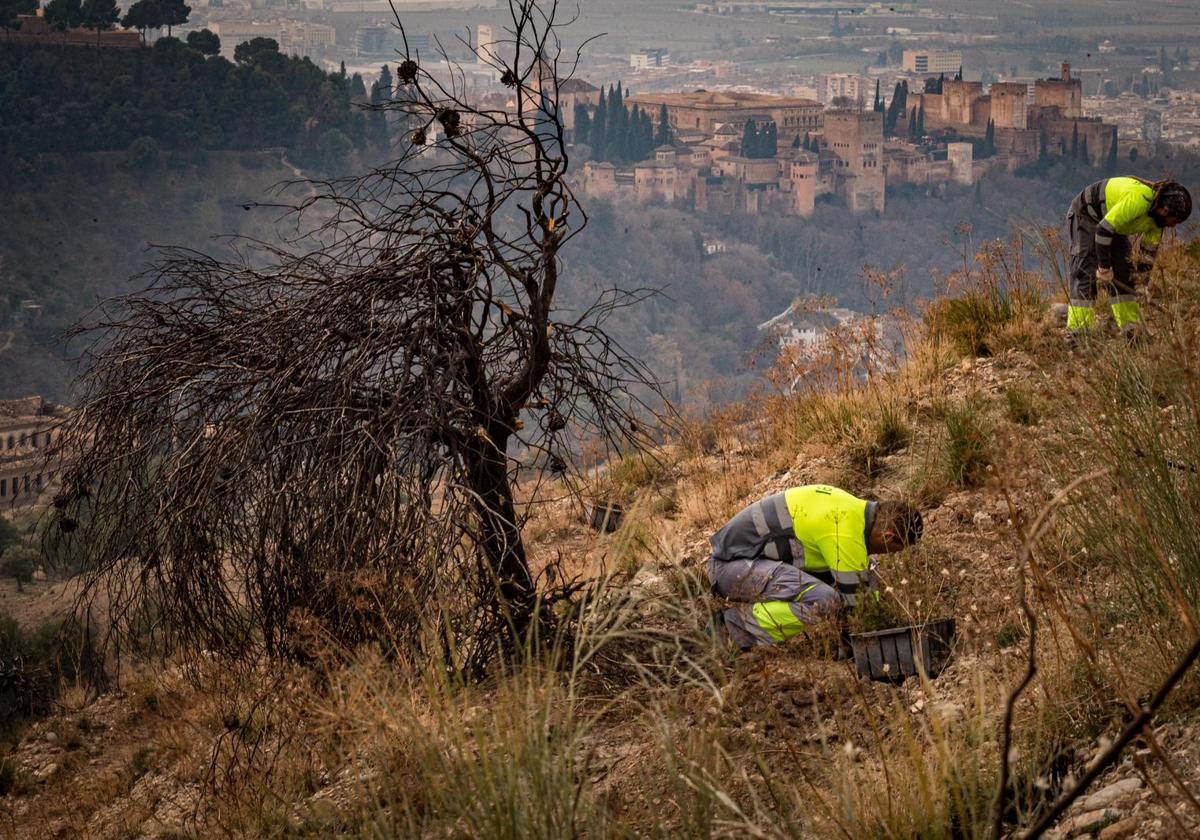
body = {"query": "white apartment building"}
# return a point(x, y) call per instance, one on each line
point(932, 61)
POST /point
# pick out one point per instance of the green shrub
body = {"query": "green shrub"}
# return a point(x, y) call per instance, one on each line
point(1020, 407)
point(968, 448)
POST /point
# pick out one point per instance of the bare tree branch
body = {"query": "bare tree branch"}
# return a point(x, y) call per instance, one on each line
point(330, 429)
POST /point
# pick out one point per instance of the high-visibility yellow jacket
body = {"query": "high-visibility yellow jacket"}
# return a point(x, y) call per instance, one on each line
point(1121, 207)
point(815, 527)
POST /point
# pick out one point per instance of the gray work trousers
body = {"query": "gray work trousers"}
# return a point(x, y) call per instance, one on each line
point(1083, 260)
point(753, 582)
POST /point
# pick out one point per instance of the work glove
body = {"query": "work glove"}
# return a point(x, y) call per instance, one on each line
point(1104, 275)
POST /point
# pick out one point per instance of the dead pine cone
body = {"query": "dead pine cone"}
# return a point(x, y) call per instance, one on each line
point(508, 78)
point(407, 71)
point(451, 121)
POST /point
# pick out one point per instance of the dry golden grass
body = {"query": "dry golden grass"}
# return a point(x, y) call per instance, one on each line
point(630, 723)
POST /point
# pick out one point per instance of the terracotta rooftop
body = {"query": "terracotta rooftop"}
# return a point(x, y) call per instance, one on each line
point(577, 86)
point(723, 99)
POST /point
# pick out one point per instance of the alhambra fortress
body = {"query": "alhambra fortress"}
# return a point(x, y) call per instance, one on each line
point(844, 150)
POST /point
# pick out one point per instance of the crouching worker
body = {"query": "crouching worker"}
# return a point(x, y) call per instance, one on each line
point(800, 556)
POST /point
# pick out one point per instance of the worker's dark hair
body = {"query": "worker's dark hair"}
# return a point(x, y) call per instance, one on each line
point(1173, 199)
point(902, 519)
point(1170, 196)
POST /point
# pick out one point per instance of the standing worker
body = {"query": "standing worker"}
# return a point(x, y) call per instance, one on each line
point(799, 556)
point(1101, 221)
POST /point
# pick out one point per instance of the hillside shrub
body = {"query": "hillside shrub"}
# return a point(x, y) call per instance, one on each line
point(968, 442)
point(988, 306)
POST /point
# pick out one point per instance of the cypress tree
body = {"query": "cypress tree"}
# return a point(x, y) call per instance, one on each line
point(750, 140)
point(1110, 166)
point(796, 141)
point(665, 137)
point(912, 124)
point(625, 139)
point(889, 119)
point(1084, 157)
point(1075, 141)
point(377, 118)
point(878, 102)
point(618, 126)
point(583, 123)
point(989, 139)
point(647, 133)
point(770, 142)
point(599, 130)
point(921, 120)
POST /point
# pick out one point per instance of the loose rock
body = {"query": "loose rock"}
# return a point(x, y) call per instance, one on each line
point(1105, 797)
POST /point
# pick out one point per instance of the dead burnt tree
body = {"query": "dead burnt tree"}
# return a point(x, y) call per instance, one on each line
point(321, 435)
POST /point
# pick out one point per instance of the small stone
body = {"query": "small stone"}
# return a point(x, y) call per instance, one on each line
point(1088, 822)
point(1105, 797)
point(45, 772)
point(982, 519)
point(1119, 829)
point(50, 736)
point(947, 712)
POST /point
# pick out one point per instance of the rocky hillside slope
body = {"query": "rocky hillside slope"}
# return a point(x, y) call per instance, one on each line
point(1052, 488)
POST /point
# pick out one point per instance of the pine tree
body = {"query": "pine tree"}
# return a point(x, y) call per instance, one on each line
point(599, 130)
point(665, 136)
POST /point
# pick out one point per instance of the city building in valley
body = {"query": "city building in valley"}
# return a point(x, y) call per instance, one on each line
point(29, 427)
point(847, 86)
point(33, 29)
point(932, 61)
point(653, 58)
